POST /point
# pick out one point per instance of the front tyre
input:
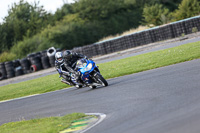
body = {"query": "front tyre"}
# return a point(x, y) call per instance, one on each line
point(101, 79)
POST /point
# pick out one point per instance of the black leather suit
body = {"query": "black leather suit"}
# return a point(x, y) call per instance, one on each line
point(66, 68)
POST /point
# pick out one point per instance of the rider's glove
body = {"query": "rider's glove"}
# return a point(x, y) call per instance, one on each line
point(78, 73)
point(86, 57)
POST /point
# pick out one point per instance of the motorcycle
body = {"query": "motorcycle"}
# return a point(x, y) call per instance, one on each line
point(90, 75)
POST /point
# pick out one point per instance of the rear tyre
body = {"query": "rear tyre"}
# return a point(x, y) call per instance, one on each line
point(101, 79)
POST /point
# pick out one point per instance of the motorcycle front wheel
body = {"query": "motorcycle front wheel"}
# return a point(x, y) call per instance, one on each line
point(101, 79)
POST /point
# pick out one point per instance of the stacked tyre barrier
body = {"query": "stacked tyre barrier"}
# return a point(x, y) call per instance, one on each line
point(3, 74)
point(152, 35)
point(17, 68)
point(32, 63)
point(51, 55)
point(9, 69)
point(45, 62)
point(25, 64)
point(36, 64)
point(45, 59)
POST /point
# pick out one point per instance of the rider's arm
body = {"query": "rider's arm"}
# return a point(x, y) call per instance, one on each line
point(57, 66)
point(69, 68)
point(79, 55)
point(60, 70)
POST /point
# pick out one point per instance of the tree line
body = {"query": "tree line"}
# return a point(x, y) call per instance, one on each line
point(29, 28)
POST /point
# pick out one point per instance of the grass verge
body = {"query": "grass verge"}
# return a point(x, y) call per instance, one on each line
point(109, 70)
point(42, 125)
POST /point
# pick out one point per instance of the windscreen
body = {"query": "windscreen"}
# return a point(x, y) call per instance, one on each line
point(81, 63)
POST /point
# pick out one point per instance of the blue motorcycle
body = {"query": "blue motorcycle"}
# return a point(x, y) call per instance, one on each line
point(90, 74)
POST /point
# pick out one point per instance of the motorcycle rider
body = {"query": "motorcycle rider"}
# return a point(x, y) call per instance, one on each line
point(65, 65)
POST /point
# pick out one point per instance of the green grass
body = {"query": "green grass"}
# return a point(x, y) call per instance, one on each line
point(109, 70)
point(43, 125)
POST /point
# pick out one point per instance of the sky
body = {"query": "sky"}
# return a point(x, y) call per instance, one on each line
point(49, 6)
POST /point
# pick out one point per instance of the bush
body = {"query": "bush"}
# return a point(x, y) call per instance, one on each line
point(187, 8)
point(156, 15)
point(29, 45)
point(6, 56)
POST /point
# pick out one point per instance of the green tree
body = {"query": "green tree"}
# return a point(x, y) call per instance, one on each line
point(187, 8)
point(99, 9)
point(66, 9)
point(170, 4)
point(6, 37)
point(23, 20)
point(155, 14)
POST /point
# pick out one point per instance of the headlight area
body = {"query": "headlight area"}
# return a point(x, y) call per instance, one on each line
point(89, 67)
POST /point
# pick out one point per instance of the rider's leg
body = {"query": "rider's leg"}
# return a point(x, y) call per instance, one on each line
point(66, 80)
point(75, 81)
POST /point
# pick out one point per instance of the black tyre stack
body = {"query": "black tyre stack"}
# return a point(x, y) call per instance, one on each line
point(43, 53)
point(51, 54)
point(10, 69)
point(45, 60)
point(25, 63)
point(18, 68)
point(2, 71)
point(35, 60)
point(29, 56)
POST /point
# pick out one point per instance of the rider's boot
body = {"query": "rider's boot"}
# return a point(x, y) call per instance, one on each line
point(76, 83)
point(78, 86)
point(66, 82)
point(92, 86)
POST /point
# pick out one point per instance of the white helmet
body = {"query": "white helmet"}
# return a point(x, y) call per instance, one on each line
point(59, 57)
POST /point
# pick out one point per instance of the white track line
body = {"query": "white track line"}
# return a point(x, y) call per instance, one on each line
point(18, 98)
point(38, 94)
point(101, 118)
point(32, 95)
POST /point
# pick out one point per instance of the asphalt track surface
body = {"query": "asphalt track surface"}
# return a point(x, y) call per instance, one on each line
point(163, 100)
